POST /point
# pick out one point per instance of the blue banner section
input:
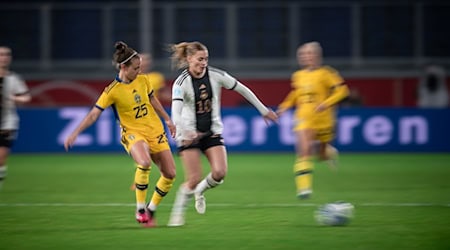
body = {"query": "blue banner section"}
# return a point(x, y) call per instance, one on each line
point(358, 130)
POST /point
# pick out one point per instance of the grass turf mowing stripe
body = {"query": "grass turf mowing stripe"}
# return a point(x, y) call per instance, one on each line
point(377, 204)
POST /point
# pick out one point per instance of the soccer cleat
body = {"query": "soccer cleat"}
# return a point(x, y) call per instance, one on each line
point(142, 216)
point(179, 206)
point(151, 219)
point(304, 194)
point(200, 203)
point(176, 220)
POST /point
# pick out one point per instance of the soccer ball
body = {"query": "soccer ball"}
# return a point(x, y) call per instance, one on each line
point(335, 214)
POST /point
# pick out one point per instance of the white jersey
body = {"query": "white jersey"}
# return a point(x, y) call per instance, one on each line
point(12, 85)
point(196, 102)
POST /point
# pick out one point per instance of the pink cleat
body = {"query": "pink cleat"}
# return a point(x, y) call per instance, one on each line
point(142, 216)
point(151, 219)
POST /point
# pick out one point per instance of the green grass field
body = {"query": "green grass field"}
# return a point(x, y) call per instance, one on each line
point(83, 201)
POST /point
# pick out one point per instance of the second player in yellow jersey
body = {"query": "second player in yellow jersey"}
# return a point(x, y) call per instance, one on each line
point(312, 88)
point(316, 89)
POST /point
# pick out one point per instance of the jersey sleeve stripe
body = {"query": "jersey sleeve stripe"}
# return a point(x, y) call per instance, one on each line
point(99, 107)
point(234, 86)
point(182, 77)
point(177, 99)
point(110, 86)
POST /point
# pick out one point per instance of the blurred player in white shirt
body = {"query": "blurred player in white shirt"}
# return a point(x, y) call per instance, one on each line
point(196, 114)
point(13, 90)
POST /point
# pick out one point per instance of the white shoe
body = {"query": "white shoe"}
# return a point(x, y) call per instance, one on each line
point(179, 206)
point(176, 220)
point(200, 203)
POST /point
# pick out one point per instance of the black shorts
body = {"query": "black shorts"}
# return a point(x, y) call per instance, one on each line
point(7, 138)
point(205, 143)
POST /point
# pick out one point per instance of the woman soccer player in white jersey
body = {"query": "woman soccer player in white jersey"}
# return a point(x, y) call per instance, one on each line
point(13, 90)
point(196, 114)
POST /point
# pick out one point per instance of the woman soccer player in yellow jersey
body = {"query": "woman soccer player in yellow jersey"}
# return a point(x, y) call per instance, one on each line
point(139, 113)
point(315, 91)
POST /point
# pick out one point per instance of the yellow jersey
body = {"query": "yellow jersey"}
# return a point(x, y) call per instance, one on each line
point(311, 88)
point(131, 105)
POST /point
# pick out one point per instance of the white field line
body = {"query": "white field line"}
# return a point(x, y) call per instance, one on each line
point(261, 205)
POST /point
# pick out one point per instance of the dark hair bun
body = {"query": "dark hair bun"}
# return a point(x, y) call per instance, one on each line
point(120, 46)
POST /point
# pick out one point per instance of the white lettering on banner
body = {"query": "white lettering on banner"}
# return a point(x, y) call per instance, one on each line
point(374, 130)
point(75, 116)
point(235, 129)
point(410, 124)
point(377, 130)
point(104, 127)
point(259, 131)
point(285, 126)
point(345, 129)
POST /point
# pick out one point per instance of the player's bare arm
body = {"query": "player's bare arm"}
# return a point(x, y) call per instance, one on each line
point(90, 118)
point(163, 114)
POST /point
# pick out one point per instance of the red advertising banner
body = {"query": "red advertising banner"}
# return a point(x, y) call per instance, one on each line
point(374, 92)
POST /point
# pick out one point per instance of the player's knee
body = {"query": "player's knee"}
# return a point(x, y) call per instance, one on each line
point(172, 175)
point(219, 175)
point(169, 173)
point(144, 163)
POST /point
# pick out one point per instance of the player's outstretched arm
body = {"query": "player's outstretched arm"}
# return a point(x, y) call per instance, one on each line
point(267, 113)
point(90, 118)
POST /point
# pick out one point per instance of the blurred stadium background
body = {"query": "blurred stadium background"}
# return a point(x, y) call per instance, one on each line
point(63, 49)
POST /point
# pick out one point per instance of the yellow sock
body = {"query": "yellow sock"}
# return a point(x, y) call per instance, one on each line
point(162, 187)
point(303, 169)
point(141, 179)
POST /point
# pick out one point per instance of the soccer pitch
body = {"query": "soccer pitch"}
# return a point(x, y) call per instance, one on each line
point(83, 201)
